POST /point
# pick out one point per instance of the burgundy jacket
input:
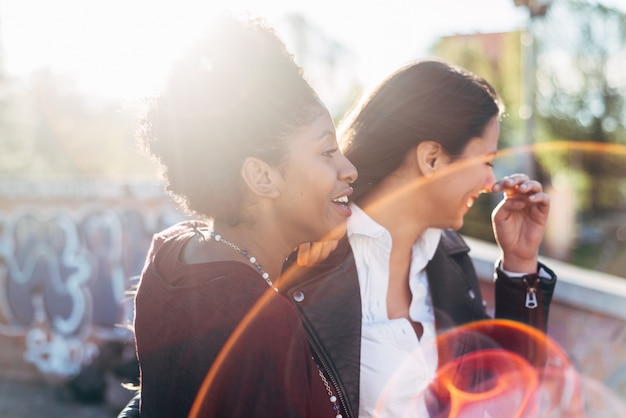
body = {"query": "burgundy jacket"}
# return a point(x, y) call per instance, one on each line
point(186, 320)
point(328, 299)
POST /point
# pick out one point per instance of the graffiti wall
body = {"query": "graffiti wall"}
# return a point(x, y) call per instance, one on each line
point(68, 256)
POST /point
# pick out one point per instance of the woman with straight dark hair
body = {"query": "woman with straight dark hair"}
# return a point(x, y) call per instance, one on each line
point(423, 142)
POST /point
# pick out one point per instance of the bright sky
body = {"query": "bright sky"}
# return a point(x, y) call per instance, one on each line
point(121, 48)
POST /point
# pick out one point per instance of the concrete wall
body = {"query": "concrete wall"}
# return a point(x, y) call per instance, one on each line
point(67, 251)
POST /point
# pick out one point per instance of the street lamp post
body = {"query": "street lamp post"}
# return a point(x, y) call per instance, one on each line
point(536, 8)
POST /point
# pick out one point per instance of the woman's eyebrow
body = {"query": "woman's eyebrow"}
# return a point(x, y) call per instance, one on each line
point(327, 132)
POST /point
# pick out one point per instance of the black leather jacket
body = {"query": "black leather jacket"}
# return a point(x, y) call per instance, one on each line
point(328, 299)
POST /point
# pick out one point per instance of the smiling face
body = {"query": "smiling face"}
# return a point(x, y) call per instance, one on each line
point(465, 177)
point(315, 183)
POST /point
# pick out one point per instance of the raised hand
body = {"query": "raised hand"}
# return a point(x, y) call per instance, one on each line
point(519, 221)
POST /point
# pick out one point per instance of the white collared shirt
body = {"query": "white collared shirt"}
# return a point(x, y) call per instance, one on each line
point(395, 365)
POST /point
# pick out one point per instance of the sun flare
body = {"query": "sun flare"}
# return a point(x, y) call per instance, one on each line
point(114, 49)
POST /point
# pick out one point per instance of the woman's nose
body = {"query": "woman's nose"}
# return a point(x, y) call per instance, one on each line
point(347, 171)
point(490, 180)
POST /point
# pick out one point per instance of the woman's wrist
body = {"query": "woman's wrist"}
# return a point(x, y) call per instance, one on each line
point(519, 265)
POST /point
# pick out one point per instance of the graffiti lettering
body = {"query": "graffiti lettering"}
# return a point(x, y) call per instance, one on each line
point(64, 274)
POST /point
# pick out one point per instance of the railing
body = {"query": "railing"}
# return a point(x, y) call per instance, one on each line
point(587, 315)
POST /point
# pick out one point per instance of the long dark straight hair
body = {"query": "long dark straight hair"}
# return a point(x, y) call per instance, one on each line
point(424, 101)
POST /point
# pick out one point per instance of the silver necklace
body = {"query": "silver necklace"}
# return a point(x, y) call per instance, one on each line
point(252, 259)
point(332, 398)
point(218, 238)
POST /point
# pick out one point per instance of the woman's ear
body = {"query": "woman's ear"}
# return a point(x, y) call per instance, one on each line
point(260, 177)
point(430, 157)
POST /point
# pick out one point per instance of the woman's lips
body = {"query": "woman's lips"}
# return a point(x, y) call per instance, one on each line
point(341, 203)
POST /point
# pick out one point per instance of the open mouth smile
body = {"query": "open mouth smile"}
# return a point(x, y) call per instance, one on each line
point(343, 200)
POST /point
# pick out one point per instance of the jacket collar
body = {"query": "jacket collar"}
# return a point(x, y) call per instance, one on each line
point(452, 244)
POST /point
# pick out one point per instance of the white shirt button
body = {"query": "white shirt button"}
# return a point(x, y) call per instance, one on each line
point(298, 296)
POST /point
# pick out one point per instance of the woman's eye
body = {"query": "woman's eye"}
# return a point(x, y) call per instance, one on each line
point(329, 153)
point(489, 163)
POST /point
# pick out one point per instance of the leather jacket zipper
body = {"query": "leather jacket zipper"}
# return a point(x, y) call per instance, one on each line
point(531, 282)
point(531, 295)
point(325, 369)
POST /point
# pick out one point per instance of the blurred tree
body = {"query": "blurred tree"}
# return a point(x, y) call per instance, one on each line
point(48, 127)
point(497, 58)
point(15, 140)
point(55, 130)
point(328, 64)
point(16, 136)
point(581, 53)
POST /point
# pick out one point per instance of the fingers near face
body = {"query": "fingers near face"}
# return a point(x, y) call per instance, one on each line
point(521, 192)
point(517, 186)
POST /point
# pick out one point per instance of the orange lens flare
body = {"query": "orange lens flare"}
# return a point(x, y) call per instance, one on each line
point(486, 381)
point(500, 368)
